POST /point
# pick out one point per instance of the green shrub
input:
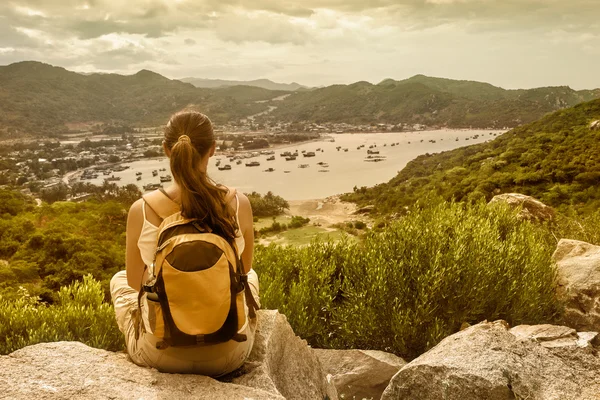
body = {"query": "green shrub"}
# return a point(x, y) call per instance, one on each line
point(298, 222)
point(360, 225)
point(415, 282)
point(80, 315)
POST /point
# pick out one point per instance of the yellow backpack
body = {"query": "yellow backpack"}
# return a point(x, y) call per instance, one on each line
point(196, 290)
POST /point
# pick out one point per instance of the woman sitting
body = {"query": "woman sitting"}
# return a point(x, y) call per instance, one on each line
point(189, 143)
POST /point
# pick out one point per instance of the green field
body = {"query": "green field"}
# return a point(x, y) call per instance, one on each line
point(299, 236)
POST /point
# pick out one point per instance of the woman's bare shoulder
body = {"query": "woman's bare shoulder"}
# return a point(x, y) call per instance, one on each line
point(136, 207)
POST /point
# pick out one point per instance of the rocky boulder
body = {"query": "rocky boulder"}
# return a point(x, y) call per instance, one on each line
point(578, 265)
point(530, 209)
point(556, 336)
point(359, 374)
point(489, 361)
point(281, 366)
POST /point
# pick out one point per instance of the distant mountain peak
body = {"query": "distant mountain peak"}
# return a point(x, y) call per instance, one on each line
point(261, 83)
point(147, 75)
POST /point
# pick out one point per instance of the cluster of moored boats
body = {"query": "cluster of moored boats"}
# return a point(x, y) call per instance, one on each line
point(94, 173)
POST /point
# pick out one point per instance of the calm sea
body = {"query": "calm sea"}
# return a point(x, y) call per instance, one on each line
point(344, 171)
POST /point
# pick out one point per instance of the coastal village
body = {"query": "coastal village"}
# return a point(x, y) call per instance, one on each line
point(86, 156)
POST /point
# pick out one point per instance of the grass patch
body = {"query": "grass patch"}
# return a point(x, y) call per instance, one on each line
point(305, 235)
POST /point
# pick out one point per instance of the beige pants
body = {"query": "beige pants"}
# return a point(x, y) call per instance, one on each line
point(214, 360)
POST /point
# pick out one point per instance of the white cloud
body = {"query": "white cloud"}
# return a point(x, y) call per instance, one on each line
point(514, 43)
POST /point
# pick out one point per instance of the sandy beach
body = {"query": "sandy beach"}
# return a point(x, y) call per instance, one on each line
point(325, 212)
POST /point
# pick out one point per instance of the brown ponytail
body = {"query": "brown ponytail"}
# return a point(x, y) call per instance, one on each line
point(189, 137)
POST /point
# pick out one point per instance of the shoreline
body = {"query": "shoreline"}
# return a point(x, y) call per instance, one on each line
point(11, 141)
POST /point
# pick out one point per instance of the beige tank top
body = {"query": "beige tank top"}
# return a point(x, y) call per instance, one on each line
point(149, 235)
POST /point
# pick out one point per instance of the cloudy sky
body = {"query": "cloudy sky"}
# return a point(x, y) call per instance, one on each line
point(509, 43)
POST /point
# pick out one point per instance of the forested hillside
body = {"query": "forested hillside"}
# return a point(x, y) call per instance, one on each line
point(38, 98)
point(555, 159)
point(429, 101)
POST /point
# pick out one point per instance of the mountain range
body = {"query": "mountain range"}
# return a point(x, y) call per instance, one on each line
point(429, 101)
point(38, 99)
point(261, 83)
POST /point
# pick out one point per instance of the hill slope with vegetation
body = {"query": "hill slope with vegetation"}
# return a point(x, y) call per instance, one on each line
point(429, 101)
point(39, 98)
point(554, 159)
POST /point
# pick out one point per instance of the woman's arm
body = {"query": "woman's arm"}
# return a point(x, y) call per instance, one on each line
point(247, 229)
point(133, 258)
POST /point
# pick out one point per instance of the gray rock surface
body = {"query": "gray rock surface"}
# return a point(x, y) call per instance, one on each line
point(595, 125)
point(578, 265)
point(531, 209)
point(555, 336)
point(359, 374)
point(281, 366)
point(283, 363)
point(487, 362)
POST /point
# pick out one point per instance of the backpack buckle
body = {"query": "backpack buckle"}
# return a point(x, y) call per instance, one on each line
point(148, 288)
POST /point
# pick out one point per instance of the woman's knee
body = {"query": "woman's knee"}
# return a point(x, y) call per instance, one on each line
point(119, 288)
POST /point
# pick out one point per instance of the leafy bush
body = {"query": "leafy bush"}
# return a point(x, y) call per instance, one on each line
point(80, 314)
point(298, 222)
point(276, 227)
point(415, 282)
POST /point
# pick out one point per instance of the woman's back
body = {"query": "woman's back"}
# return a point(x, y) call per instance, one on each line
point(189, 143)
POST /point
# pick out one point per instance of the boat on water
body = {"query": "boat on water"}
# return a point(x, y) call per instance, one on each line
point(225, 167)
point(138, 173)
point(286, 172)
point(238, 162)
point(271, 158)
point(303, 166)
point(113, 178)
point(269, 170)
point(346, 150)
point(106, 172)
point(309, 154)
point(166, 178)
point(290, 158)
point(152, 186)
point(323, 170)
point(372, 151)
point(155, 173)
point(139, 178)
point(218, 163)
point(162, 169)
point(252, 164)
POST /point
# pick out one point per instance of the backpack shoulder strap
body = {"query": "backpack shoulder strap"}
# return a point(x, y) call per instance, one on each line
point(161, 203)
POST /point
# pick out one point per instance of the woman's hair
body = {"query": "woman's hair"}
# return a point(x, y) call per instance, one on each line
point(189, 137)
